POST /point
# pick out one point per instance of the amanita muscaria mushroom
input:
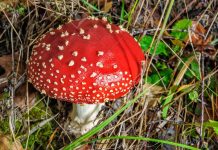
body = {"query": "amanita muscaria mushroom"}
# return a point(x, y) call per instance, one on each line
point(86, 62)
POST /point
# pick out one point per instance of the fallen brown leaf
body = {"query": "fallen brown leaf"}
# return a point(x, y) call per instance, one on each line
point(198, 38)
point(153, 94)
point(197, 35)
point(6, 143)
point(6, 65)
point(84, 147)
point(20, 97)
point(105, 5)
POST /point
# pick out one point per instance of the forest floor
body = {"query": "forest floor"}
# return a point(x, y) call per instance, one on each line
point(175, 106)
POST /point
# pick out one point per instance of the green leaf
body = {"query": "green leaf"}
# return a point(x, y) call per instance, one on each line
point(193, 95)
point(177, 81)
point(167, 104)
point(210, 124)
point(194, 66)
point(164, 74)
point(179, 30)
point(176, 48)
point(21, 10)
point(161, 48)
point(214, 124)
point(161, 65)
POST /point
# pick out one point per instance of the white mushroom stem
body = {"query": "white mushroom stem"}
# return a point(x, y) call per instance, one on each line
point(83, 118)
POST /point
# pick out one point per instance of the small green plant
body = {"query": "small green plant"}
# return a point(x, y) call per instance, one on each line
point(193, 71)
point(4, 127)
point(40, 137)
point(214, 125)
point(180, 29)
point(21, 10)
point(162, 73)
point(4, 95)
point(146, 42)
point(193, 95)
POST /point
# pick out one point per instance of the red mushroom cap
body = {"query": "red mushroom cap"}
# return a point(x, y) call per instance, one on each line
point(85, 61)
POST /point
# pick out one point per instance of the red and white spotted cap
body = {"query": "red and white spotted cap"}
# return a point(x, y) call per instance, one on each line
point(85, 61)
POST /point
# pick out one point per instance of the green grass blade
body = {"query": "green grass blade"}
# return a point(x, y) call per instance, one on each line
point(145, 139)
point(90, 5)
point(167, 104)
point(122, 12)
point(131, 13)
point(78, 141)
point(173, 89)
point(166, 18)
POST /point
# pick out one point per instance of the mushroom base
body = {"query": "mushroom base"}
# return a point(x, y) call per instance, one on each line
point(82, 118)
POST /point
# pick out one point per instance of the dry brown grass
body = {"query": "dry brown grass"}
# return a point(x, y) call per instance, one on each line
point(19, 31)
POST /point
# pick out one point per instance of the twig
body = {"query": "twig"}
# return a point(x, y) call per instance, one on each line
point(212, 23)
point(119, 134)
point(20, 81)
point(202, 97)
point(181, 12)
point(37, 127)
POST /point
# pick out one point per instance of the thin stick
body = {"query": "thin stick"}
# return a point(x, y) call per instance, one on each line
point(202, 97)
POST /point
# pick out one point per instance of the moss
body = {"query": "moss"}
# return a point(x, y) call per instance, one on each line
point(4, 126)
point(4, 95)
point(40, 138)
point(38, 112)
